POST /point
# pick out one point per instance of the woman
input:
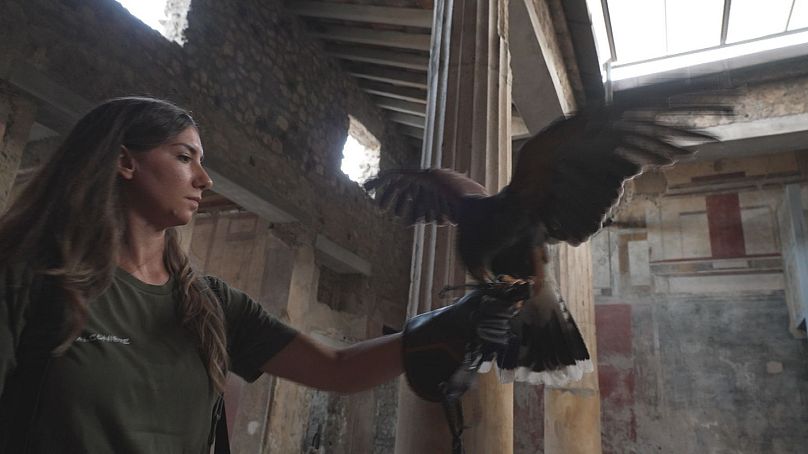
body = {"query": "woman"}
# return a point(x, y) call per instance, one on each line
point(102, 319)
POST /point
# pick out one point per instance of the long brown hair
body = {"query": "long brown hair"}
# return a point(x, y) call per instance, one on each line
point(68, 222)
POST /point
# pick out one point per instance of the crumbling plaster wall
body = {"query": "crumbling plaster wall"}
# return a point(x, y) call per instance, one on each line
point(273, 111)
point(693, 330)
point(708, 365)
point(693, 241)
point(694, 348)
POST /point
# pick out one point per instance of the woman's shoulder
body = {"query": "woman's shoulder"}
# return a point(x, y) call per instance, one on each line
point(225, 293)
point(238, 306)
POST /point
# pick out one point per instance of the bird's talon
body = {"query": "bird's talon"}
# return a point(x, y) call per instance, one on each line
point(512, 281)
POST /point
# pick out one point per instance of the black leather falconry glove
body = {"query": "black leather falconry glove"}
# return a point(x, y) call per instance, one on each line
point(444, 348)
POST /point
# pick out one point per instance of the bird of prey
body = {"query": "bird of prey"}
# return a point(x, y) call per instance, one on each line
point(567, 179)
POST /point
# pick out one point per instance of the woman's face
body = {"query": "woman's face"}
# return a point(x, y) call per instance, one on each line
point(164, 185)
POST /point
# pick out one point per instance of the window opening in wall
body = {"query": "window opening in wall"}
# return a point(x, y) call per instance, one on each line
point(169, 17)
point(329, 288)
point(360, 154)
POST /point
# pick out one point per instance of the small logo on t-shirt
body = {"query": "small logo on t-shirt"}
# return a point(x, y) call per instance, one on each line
point(95, 337)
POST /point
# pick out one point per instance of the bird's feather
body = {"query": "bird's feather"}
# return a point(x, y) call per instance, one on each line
point(434, 194)
point(571, 174)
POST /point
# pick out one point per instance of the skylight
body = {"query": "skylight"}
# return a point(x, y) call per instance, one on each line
point(169, 17)
point(641, 37)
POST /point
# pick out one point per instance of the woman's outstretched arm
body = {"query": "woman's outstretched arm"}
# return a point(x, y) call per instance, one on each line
point(357, 367)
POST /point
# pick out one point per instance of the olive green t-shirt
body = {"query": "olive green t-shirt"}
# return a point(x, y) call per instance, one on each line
point(132, 382)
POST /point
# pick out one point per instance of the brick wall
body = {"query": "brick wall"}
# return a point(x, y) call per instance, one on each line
point(273, 110)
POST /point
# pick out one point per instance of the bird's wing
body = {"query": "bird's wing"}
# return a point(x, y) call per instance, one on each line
point(427, 195)
point(572, 173)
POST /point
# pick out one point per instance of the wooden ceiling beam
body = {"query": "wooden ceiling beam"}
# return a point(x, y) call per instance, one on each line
point(392, 76)
point(393, 91)
point(379, 57)
point(405, 17)
point(386, 38)
point(409, 120)
point(397, 105)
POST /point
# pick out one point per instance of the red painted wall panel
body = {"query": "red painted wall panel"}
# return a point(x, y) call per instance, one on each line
point(726, 229)
point(613, 329)
point(616, 377)
point(617, 380)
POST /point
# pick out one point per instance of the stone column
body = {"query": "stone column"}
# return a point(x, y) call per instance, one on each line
point(421, 426)
point(468, 129)
point(16, 118)
point(489, 408)
point(572, 413)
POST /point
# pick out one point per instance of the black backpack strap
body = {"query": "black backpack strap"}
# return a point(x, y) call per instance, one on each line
point(218, 434)
point(20, 395)
point(222, 440)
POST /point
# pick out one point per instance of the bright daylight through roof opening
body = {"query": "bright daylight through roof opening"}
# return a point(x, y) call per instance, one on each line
point(641, 37)
point(169, 17)
point(360, 155)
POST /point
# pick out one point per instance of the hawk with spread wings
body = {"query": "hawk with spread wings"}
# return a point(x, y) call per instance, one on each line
point(567, 179)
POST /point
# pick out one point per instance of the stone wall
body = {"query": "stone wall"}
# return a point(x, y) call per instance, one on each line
point(273, 110)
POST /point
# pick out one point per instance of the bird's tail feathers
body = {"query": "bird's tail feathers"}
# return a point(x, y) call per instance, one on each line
point(545, 349)
point(551, 378)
